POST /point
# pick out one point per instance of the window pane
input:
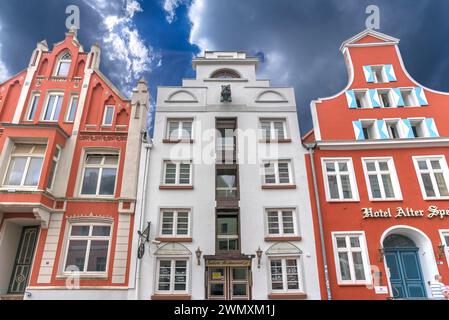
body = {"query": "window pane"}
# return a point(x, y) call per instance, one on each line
point(375, 187)
point(333, 187)
point(108, 116)
point(33, 108)
point(76, 254)
point(227, 225)
point(173, 130)
point(72, 110)
point(239, 289)
point(287, 222)
point(58, 108)
point(101, 231)
point(16, 171)
point(292, 274)
point(358, 266)
point(383, 166)
point(180, 275)
point(330, 167)
point(344, 266)
point(34, 171)
point(441, 183)
point(266, 129)
point(422, 164)
point(80, 231)
point(107, 183)
point(183, 223)
point(284, 176)
point(239, 273)
point(279, 130)
point(64, 68)
point(341, 242)
point(273, 222)
point(98, 255)
point(111, 160)
point(50, 107)
point(170, 173)
point(90, 181)
point(388, 186)
point(184, 173)
point(167, 223)
point(94, 159)
point(346, 186)
point(186, 130)
point(427, 181)
point(52, 174)
point(276, 275)
point(343, 166)
point(269, 173)
point(371, 166)
point(435, 164)
point(355, 242)
point(164, 275)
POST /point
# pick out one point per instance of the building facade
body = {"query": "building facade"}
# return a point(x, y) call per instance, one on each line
point(380, 150)
point(225, 190)
point(67, 135)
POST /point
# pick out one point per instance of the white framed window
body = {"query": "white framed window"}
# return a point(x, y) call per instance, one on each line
point(444, 234)
point(278, 172)
point(339, 179)
point(172, 276)
point(25, 165)
point(71, 110)
point(381, 179)
point(53, 168)
point(385, 98)
point(394, 131)
point(88, 247)
point(285, 275)
point(179, 129)
point(351, 258)
point(108, 115)
point(433, 176)
point(273, 129)
point(362, 99)
point(99, 174)
point(177, 173)
point(34, 101)
point(53, 106)
point(409, 97)
point(379, 73)
point(369, 130)
point(63, 65)
point(281, 222)
point(174, 223)
point(418, 128)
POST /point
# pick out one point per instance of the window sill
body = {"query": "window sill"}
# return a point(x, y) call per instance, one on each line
point(170, 296)
point(178, 141)
point(277, 141)
point(386, 200)
point(280, 239)
point(342, 201)
point(280, 186)
point(174, 239)
point(177, 187)
point(436, 199)
point(286, 296)
point(354, 284)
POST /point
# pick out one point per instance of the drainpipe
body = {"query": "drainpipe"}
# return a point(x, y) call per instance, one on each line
point(311, 149)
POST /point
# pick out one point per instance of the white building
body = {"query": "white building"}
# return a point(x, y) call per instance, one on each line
point(226, 190)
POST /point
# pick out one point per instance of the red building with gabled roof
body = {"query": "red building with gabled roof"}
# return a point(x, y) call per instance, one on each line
point(67, 136)
point(379, 150)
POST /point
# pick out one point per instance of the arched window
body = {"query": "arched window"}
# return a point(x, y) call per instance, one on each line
point(398, 241)
point(225, 74)
point(63, 66)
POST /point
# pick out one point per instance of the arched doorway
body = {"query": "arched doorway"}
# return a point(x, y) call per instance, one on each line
point(403, 262)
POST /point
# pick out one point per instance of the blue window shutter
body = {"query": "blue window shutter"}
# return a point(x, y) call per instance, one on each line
point(432, 128)
point(390, 72)
point(382, 128)
point(398, 100)
point(350, 96)
point(407, 128)
point(369, 75)
point(421, 96)
point(358, 130)
point(375, 102)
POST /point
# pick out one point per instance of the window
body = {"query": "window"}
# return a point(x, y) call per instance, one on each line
point(225, 140)
point(281, 223)
point(384, 98)
point(369, 130)
point(227, 232)
point(409, 98)
point(445, 241)
point(25, 165)
point(351, 258)
point(71, 113)
point(54, 166)
point(33, 107)
point(177, 173)
point(285, 275)
point(433, 176)
point(226, 185)
point(225, 74)
point(63, 66)
point(108, 116)
point(393, 129)
point(175, 223)
point(278, 172)
point(179, 130)
point(172, 276)
point(417, 128)
point(340, 180)
point(53, 107)
point(100, 171)
point(379, 74)
point(88, 248)
point(381, 179)
point(362, 100)
point(274, 129)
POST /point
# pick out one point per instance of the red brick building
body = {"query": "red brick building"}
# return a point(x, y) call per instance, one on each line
point(380, 163)
point(67, 136)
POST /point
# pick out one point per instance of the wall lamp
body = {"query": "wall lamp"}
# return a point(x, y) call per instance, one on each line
point(259, 256)
point(441, 250)
point(198, 253)
point(381, 254)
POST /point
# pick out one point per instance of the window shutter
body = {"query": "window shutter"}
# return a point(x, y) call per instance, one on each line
point(431, 128)
point(421, 96)
point(358, 130)
point(406, 128)
point(350, 96)
point(369, 75)
point(382, 128)
point(375, 102)
point(397, 97)
point(390, 73)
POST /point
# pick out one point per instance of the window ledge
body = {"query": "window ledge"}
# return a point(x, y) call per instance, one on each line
point(178, 141)
point(280, 239)
point(277, 141)
point(278, 186)
point(386, 200)
point(285, 296)
point(177, 187)
point(169, 296)
point(174, 239)
point(354, 284)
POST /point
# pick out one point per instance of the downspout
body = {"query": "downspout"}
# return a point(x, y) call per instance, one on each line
point(311, 149)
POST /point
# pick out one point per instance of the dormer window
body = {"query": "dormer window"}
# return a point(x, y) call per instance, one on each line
point(409, 98)
point(362, 100)
point(225, 74)
point(63, 66)
point(379, 74)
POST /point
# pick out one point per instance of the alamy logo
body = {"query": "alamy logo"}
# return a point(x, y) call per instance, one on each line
point(73, 20)
point(373, 20)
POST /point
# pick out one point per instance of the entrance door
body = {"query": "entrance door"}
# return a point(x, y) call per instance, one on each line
point(228, 283)
point(402, 259)
point(24, 258)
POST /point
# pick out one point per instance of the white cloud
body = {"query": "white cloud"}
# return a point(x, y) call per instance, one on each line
point(170, 8)
point(196, 11)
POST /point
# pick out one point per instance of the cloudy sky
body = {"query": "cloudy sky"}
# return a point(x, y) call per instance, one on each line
point(297, 40)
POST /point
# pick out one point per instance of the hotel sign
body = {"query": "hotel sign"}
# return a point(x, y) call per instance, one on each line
point(400, 212)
